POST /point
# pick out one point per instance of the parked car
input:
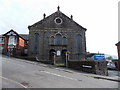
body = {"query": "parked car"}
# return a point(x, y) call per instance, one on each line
point(111, 65)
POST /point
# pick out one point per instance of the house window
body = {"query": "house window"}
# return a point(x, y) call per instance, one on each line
point(58, 39)
point(36, 43)
point(58, 20)
point(78, 43)
point(12, 40)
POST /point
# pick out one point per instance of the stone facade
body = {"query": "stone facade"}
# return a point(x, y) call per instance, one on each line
point(56, 36)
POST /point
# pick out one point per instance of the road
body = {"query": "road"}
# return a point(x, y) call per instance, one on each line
point(17, 73)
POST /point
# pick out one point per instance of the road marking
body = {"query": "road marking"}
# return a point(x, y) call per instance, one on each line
point(14, 82)
point(61, 76)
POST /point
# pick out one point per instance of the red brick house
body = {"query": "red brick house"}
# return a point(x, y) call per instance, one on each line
point(14, 43)
point(117, 62)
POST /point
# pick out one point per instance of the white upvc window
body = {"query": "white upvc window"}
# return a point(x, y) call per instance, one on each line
point(12, 40)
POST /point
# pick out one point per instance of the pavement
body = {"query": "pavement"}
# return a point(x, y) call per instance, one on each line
point(29, 74)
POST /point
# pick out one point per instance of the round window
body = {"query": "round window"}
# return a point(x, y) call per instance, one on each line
point(58, 20)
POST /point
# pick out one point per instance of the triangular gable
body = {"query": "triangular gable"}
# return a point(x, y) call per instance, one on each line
point(13, 33)
point(49, 21)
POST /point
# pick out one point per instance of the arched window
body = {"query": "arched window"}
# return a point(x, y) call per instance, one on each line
point(51, 40)
point(64, 42)
point(58, 39)
point(78, 43)
point(36, 43)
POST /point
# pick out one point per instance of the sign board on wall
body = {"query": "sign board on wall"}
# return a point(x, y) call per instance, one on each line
point(58, 53)
point(99, 57)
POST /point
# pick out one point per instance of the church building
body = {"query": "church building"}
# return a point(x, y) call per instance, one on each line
point(57, 38)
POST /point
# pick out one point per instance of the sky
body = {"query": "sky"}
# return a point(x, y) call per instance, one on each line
point(99, 17)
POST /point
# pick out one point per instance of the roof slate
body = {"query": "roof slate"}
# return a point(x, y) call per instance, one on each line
point(25, 36)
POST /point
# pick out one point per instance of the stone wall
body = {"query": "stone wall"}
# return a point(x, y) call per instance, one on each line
point(44, 46)
point(96, 67)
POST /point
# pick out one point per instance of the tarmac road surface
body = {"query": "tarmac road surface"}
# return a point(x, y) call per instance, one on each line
point(17, 73)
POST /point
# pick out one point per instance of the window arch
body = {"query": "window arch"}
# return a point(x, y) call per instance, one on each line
point(51, 40)
point(58, 39)
point(64, 42)
point(78, 43)
point(36, 43)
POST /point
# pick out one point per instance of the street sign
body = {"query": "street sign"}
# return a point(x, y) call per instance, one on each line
point(99, 57)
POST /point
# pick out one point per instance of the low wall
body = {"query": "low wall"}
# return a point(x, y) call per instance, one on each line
point(96, 67)
point(90, 66)
point(32, 58)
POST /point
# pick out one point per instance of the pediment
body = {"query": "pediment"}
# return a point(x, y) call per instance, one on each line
point(57, 20)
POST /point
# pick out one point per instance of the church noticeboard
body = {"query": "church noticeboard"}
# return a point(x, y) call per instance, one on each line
point(58, 53)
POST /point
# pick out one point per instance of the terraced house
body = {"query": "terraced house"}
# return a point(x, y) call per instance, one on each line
point(56, 38)
point(13, 43)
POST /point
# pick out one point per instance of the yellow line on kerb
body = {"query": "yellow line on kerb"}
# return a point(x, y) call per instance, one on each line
point(14, 82)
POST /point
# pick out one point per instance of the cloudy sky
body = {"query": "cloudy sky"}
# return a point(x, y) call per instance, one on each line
point(100, 17)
